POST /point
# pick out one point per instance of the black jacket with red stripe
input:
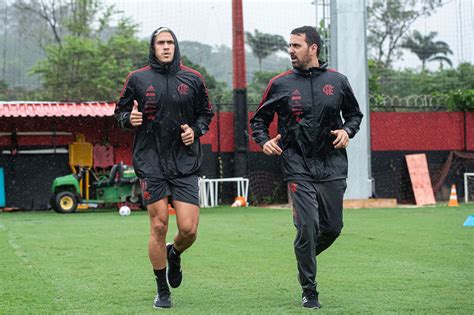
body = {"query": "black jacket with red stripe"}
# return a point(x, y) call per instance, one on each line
point(309, 105)
point(168, 95)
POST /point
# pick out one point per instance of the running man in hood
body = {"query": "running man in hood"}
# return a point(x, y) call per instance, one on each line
point(167, 106)
point(312, 140)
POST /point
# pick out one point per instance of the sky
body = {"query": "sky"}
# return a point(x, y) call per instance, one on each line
point(209, 21)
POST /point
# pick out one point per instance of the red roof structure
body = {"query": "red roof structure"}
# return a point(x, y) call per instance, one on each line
point(56, 109)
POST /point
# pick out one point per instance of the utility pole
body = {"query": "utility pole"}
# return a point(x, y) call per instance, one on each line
point(239, 91)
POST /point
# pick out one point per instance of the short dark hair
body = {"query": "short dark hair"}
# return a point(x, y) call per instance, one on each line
point(312, 36)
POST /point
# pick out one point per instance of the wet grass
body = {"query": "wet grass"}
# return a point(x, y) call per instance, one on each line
point(404, 260)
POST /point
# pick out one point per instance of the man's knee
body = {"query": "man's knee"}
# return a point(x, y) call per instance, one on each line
point(159, 228)
point(329, 234)
point(189, 233)
point(325, 239)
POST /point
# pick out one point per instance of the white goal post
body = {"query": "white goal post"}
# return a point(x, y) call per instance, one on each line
point(468, 179)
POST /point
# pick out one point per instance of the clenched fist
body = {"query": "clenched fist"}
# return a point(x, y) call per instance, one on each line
point(342, 138)
point(187, 135)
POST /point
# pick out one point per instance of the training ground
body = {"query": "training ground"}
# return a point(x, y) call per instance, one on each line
point(402, 260)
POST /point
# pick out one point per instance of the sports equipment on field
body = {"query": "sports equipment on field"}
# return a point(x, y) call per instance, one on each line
point(124, 211)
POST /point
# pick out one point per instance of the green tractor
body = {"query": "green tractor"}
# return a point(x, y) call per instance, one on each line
point(120, 186)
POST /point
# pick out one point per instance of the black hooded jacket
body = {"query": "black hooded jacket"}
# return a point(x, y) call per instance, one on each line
point(309, 105)
point(168, 95)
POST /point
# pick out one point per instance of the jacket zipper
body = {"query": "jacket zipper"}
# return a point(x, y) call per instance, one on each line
point(313, 118)
point(313, 105)
point(167, 158)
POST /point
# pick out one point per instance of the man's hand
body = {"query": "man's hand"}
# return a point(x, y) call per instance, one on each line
point(187, 135)
point(136, 117)
point(342, 139)
point(271, 146)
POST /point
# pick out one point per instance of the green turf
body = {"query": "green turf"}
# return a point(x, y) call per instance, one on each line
point(410, 260)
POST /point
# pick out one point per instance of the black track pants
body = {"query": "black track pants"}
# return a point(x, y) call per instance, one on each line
point(317, 215)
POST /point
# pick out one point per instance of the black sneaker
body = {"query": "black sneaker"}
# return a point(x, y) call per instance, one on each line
point(162, 299)
point(310, 299)
point(174, 273)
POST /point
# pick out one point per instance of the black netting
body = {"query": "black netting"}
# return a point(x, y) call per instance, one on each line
point(267, 188)
point(470, 187)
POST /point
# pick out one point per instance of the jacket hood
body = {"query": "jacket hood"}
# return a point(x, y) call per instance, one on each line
point(171, 67)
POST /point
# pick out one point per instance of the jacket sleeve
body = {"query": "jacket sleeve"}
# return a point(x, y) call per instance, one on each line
point(350, 110)
point(125, 105)
point(202, 111)
point(263, 117)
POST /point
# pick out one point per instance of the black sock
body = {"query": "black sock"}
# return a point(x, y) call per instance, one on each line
point(161, 282)
point(175, 251)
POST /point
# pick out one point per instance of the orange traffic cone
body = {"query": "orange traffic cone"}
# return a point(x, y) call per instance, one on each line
point(239, 202)
point(171, 210)
point(453, 198)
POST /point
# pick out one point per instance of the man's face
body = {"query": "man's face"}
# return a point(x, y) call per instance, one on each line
point(164, 47)
point(301, 55)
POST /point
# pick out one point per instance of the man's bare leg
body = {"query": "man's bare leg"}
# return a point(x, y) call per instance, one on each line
point(158, 216)
point(187, 219)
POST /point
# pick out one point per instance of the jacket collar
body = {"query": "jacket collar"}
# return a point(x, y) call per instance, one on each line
point(323, 67)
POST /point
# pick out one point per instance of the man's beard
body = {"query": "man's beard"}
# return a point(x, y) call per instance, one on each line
point(304, 63)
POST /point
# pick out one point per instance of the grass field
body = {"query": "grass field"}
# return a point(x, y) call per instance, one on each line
point(405, 260)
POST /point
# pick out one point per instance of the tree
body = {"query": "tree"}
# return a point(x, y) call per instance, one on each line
point(44, 16)
point(85, 68)
point(257, 87)
point(51, 20)
point(426, 49)
point(218, 91)
point(263, 44)
point(389, 21)
point(407, 89)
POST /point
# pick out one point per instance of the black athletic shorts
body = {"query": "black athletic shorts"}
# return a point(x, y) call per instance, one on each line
point(185, 189)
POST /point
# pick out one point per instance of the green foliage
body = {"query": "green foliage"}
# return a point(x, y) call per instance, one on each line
point(3, 89)
point(82, 14)
point(324, 32)
point(389, 21)
point(375, 74)
point(218, 91)
point(84, 68)
point(445, 87)
point(211, 82)
point(218, 62)
point(409, 82)
point(257, 87)
point(461, 100)
point(264, 44)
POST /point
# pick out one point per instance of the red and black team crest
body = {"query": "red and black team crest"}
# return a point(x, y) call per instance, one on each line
point(183, 89)
point(293, 187)
point(328, 89)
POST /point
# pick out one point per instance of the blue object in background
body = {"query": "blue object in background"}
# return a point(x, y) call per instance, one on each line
point(469, 221)
point(2, 189)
